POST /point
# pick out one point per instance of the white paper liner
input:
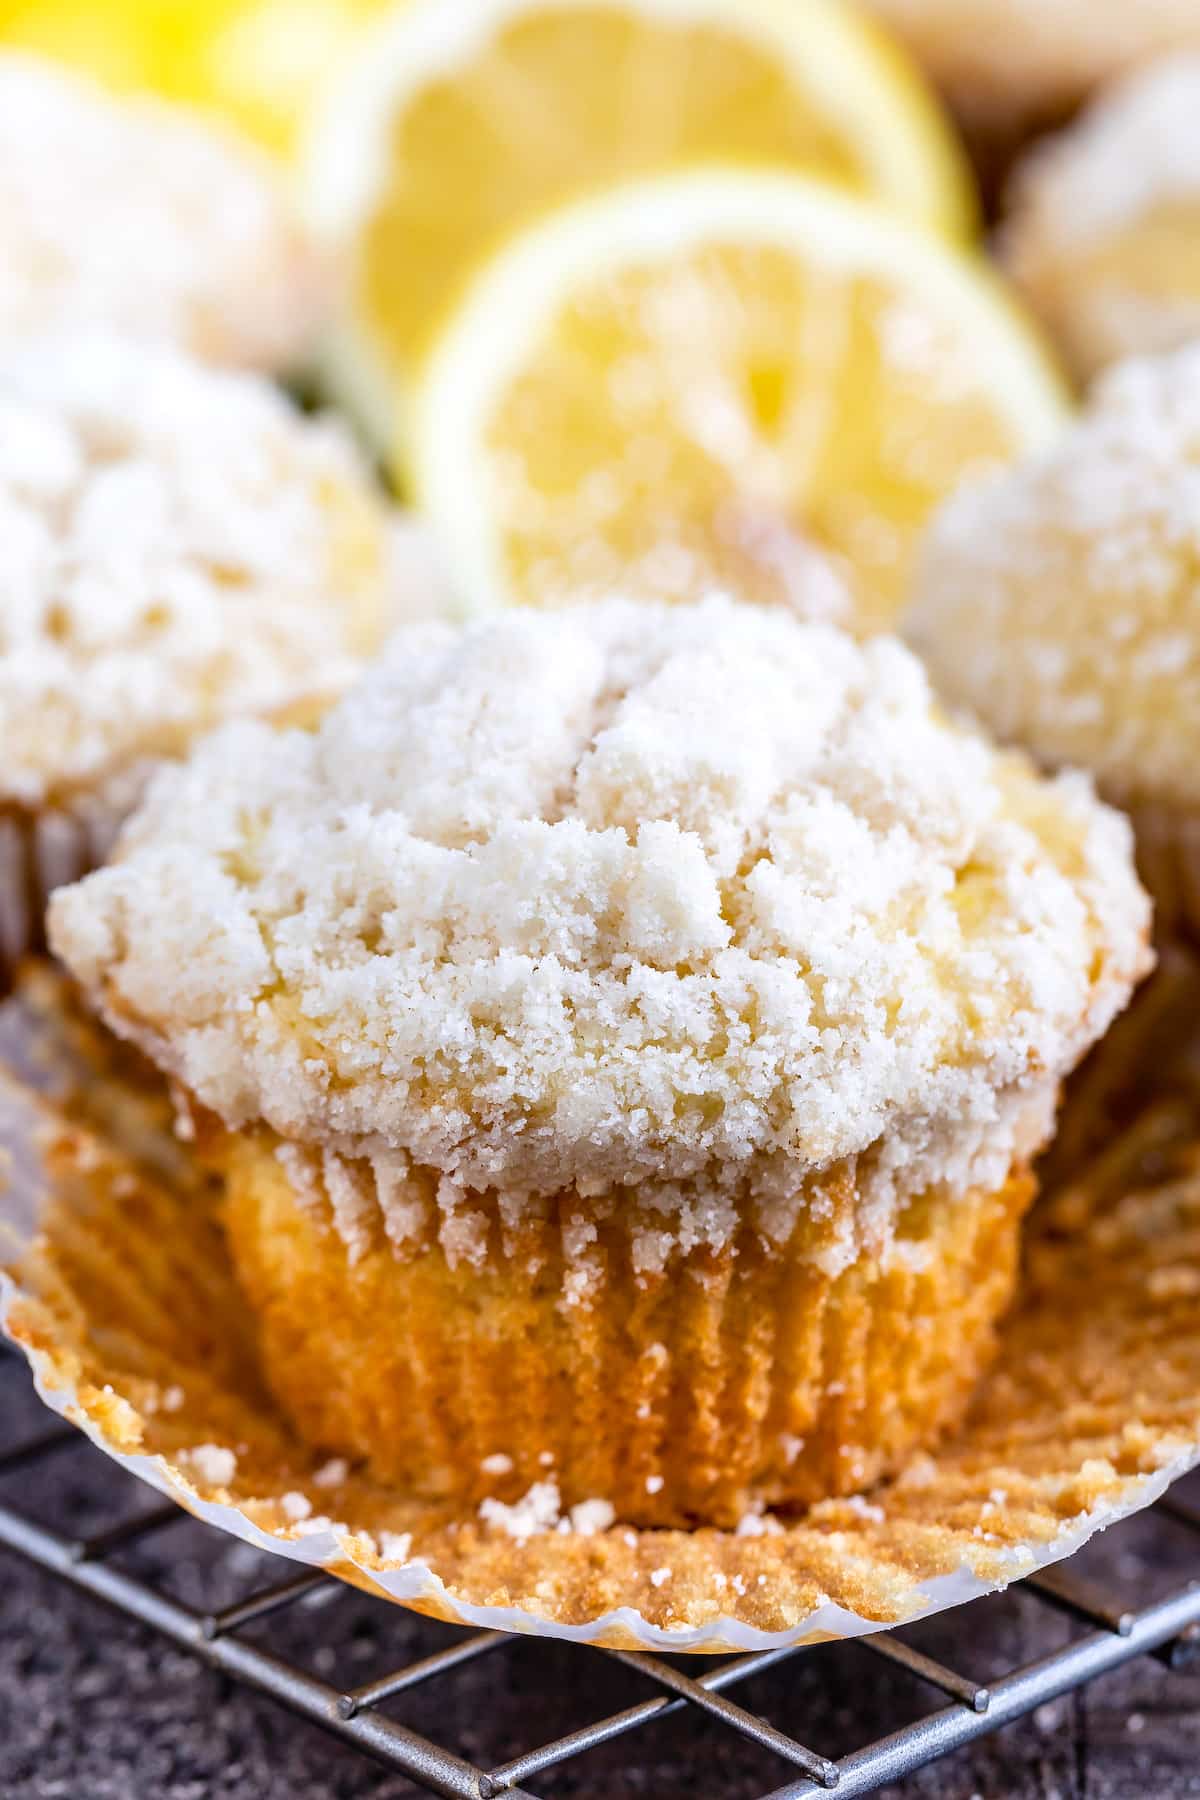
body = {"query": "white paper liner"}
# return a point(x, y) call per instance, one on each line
point(354, 1556)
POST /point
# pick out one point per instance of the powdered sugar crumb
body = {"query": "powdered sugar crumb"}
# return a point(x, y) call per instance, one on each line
point(394, 1546)
point(591, 1516)
point(213, 1463)
point(497, 1464)
point(758, 1524)
point(540, 1511)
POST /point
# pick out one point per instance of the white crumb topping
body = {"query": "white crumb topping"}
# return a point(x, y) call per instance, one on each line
point(212, 1463)
point(1061, 600)
point(497, 1464)
point(176, 544)
point(394, 1546)
point(138, 217)
point(540, 1511)
point(1088, 206)
point(659, 1577)
point(616, 895)
point(1005, 59)
point(295, 1506)
point(332, 1473)
point(590, 1517)
point(758, 1524)
point(537, 1511)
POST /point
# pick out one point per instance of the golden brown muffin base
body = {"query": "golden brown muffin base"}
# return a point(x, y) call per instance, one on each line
point(734, 1379)
point(128, 1305)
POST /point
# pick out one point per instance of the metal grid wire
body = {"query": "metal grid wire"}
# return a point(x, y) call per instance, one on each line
point(1110, 1635)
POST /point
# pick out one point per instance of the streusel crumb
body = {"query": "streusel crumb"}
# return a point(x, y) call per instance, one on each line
point(627, 892)
point(136, 216)
point(177, 544)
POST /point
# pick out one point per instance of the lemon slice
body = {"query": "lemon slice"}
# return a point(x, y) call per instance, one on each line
point(697, 378)
point(455, 125)
point(258, 63)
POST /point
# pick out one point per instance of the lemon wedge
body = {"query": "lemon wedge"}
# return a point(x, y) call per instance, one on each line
point(453, 126)
point(696, 379)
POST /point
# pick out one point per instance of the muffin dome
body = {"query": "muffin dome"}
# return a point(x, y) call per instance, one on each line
point(1105, 218)
point(176, 545)
point(621, 894)
point(133, 216)
point(1061, 600)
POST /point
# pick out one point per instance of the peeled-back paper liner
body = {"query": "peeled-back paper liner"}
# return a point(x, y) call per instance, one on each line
point(116, 1282)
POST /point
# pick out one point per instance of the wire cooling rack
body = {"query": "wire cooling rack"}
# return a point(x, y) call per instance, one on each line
point(1105, 1634)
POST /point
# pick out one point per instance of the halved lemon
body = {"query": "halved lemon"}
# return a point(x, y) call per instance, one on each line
point(696, 378)
point(454, 125)
point(258, 63)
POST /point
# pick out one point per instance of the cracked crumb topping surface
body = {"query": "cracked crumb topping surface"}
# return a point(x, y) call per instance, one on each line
point(1061, 600)
point(1103, 213)
point(620, 893)
point(176, 544)
point(135, 216)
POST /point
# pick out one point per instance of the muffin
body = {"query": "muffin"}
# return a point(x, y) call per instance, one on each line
point(1103, 228)
point(1008, 66)
point(1061, 602)
point(624, 1034)
point(177, 544)
point(136, 217)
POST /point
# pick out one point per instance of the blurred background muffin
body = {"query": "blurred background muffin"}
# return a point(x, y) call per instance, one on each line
point(1060, 602)
point(177, 545)
point(625, 1034)
point(133, 216)
point(1012, 67)
point(1102, 232)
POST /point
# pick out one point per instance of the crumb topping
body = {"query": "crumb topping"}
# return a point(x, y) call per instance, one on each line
point(540, 1511)
point(1061, 600)
point(176, 544)
point(622, 893)
point(136, 216)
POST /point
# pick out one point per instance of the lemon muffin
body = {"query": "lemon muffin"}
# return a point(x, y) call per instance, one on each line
point(177, 544)
point(1009, 65)
point(1103, 230)
point(134, 216)
point(1061, 602)
point(625, 1034)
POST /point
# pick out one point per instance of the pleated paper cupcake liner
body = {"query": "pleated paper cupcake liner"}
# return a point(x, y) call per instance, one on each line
point(487, 1347)
point(39, 851)
point(118, 1284)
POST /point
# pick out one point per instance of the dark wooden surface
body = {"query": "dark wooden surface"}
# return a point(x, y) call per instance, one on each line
point(92, 1708)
